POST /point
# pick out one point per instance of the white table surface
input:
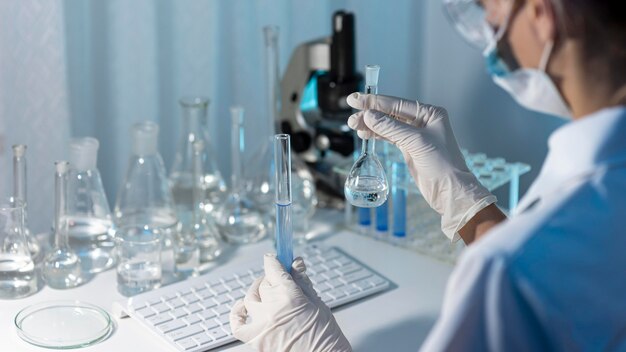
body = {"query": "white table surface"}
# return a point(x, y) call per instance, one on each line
point(396, 320)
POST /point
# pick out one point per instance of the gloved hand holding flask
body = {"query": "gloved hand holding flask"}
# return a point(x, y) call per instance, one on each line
point(424, 136)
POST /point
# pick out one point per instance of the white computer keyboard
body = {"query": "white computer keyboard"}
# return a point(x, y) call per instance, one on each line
point(193, 315)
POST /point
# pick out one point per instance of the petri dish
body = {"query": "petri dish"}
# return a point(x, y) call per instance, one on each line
point(63, 324)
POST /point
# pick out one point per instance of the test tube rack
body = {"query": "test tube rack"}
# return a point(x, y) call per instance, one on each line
point(423, 230)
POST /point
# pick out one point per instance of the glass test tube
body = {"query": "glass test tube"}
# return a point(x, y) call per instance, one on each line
point(284, 231)
point(398, 198)
point(382, 212)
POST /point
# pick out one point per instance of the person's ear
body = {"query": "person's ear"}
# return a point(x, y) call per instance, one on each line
point(542, 18)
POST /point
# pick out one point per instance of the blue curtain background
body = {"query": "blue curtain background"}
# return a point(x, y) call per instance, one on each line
point(93, 68)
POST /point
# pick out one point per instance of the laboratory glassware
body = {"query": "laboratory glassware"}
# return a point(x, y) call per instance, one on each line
point(90, 227)
point(194, 128)
point(145, 198)
point(17, 269)
point(63, 324)
point(382, 212)
point(366, 185)
point(399, 190)
point(19, 192)
point(61, 268)
point(260, 176)
point(284, 229)
point(204, 227)
point(139, 259)
point(239, 219)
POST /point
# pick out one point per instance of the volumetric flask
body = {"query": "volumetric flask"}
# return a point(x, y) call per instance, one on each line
point(90, 227)
point(366, 185)
point(239, 219)
point(17, 269)
point(19, 192)
point(61, 267)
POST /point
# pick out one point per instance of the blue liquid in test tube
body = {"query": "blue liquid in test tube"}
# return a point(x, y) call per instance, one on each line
point(398, 198)
point(284, 229)
point(382, 212)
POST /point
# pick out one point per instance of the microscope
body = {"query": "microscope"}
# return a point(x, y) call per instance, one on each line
point(320, 75)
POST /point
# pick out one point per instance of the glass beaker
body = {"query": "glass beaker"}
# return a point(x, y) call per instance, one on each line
point(239, 219)
point(90, 227)
point(61, 267)
point(139, 259)
point(145, 198)
point(19, 192)
point(194, 128)
point(17, 269)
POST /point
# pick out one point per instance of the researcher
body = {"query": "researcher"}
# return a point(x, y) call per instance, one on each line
point(552, 277)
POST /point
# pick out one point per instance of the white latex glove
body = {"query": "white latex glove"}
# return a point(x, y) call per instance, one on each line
point(282, 312)
point(424, 136)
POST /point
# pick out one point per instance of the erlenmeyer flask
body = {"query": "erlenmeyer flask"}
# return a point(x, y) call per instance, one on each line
point(19, 192)
point(366, 185)
point(204, 227)
point(61, 268)
point(145, 198)
point(90, 227)
point(17, 269)
point(194, 128)
point(239, 219)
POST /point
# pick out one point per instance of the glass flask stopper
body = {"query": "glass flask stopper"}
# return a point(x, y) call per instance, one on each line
point(366, 185)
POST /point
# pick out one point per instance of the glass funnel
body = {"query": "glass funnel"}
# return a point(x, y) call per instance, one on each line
point(90, 227)
point(145, 198)
point(17, 269)
point(204, 227)
point(194, 128)
point(19, 192)
point(61, 268)
point(366, 185)
point(239, 219)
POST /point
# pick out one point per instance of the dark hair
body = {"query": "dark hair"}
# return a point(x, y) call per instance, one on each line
point(599, 24)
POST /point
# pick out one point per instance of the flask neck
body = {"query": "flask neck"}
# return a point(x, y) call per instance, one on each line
point(368, 146)
point(60, 218)
point(19, 178)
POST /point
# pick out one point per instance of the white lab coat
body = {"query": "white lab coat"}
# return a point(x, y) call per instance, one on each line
point(552, 277)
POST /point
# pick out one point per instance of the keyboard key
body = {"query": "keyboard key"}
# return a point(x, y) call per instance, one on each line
point(335, 283)
point(219, 289)
point(145, 312)
point(159, 319)
point(233, 285)
point(222, 299)
point(246, 281)
point(337, 293)
point(192, 319)
point(347, 269)
point(179, 313)
point(208, 303)
point(356, 276)
point(176, 303)
point(210, 324)
point(194, 308)
point(237, 295)
point(185, 332)
point(224, 319)
point(217, 333)
point(331, 264)
point(323, 287)
point(160, 308)
point(169, 296)
point(205, 294)
point(350, 290)
point(326, 297)
point(344, 261)
point(221, 310)
point(202, 339)
point(377, 281)
point(187, 344)
point(331, 274)
point(154, 301)
point(207, 314)
point(199, 287)
point(171, 326)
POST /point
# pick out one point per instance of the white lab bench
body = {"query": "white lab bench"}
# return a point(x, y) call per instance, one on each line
point(395, 320)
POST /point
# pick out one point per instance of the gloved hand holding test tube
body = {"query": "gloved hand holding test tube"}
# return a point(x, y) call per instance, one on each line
point(284, 232)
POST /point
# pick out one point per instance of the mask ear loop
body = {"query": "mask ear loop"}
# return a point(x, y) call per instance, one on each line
point(545, 56)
